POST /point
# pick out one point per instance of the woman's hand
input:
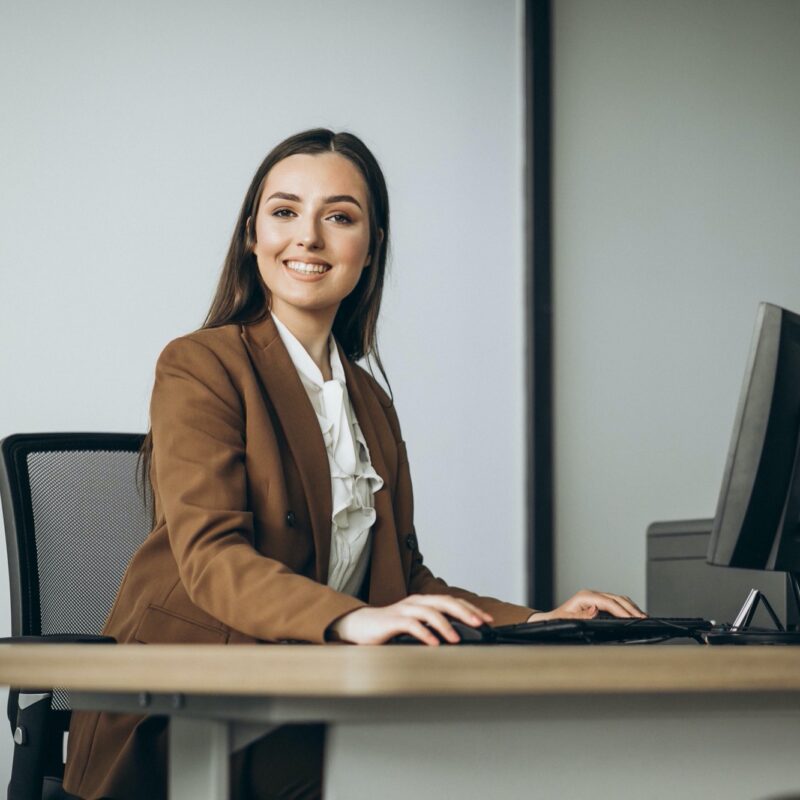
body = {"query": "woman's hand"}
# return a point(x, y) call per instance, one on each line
point(587, 604)
point(371, 625)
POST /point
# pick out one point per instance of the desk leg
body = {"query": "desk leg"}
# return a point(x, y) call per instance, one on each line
point(198, 758)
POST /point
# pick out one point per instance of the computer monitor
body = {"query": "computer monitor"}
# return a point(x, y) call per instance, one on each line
point(757, 522)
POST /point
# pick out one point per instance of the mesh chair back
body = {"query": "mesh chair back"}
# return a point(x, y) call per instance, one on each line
point(74, 517)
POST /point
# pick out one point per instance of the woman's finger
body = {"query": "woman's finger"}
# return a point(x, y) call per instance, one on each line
point(418, 630)
point(626, 603)
point(435, 620)
point(455, 607)
point(628, 600)
point(479, 612)
point(610, 604)
point(449, 603)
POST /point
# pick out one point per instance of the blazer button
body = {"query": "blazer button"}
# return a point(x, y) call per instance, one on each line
point(411, 541)
point(291, 519)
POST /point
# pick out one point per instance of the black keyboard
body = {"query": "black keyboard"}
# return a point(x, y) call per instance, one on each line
point(578, 631)
point(613, 629)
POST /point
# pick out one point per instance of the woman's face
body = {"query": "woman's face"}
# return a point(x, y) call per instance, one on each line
point(312, 234)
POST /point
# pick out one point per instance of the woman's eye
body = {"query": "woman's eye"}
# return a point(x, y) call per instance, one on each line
point(283, 213)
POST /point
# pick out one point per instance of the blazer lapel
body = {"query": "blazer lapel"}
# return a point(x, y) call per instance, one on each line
point(386, 583)
point(301, 428)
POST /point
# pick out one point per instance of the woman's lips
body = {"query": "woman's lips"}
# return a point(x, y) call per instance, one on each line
point(307, 266)
point(305, 271)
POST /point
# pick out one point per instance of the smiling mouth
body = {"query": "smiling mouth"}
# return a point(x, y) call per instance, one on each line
point(307, 269)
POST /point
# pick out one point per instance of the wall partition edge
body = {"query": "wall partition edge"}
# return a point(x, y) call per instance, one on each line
point(538, 303)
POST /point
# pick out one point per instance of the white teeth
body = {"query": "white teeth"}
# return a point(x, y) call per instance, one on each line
point(301, 266)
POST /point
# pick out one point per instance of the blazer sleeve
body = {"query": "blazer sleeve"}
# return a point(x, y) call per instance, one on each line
point(197, 420)
point(422, 580)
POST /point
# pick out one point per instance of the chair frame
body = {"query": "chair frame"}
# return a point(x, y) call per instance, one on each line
point(37, 728)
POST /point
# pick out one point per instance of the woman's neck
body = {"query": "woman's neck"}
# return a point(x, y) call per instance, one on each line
point(312, 331)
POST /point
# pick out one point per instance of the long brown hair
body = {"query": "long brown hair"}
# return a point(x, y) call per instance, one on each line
point(243, 298)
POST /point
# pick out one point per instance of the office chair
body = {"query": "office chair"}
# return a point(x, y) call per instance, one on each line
point(73, 518)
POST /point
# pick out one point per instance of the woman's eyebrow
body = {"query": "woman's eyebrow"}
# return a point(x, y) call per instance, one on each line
point(334, 198)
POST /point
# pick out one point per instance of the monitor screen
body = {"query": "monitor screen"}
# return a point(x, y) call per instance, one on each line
point(757, 522)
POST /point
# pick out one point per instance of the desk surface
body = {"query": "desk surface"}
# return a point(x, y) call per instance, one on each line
point(349, 671)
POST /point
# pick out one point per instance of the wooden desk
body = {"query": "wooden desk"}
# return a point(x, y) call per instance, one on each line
point(506, 722)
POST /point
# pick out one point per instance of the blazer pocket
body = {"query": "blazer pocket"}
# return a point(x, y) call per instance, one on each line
point(159, 626)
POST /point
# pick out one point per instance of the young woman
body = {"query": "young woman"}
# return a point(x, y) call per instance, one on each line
point(283, 503)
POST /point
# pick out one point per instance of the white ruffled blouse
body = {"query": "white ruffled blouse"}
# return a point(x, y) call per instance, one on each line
point(353, 480)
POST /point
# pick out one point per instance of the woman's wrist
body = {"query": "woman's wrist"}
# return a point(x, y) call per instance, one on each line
point(538, 616)
point(334, 633)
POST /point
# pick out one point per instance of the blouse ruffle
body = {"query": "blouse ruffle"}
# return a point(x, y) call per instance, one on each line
point(353, 484)
point(353, 479)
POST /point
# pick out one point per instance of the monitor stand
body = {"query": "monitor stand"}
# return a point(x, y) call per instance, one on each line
point(749, 608)
point(741, 632)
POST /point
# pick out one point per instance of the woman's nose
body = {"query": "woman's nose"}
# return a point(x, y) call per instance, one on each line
point(310, 234)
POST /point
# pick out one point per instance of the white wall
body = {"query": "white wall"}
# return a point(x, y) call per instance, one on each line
point(129, 135)
point(677, 170)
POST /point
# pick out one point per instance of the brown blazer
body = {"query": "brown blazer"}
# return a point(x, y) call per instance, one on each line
point(239, 552)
